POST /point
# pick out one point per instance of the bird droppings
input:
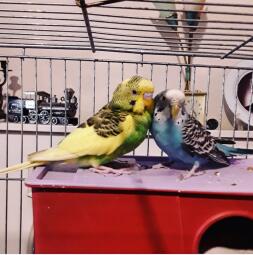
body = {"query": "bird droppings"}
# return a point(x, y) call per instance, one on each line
point(158, 166)
point(250, 168)
point(233, 184)
point(217, 173)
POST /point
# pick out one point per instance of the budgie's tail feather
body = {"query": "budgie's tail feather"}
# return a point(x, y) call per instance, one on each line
point(20, 166)
point(41, 158)
point(234, 151)
point(241, 151)
point(51, 155)
point(225, 140)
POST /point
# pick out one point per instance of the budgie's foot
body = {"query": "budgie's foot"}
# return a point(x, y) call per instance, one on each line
point(105, 170)
point(123, 163)
point(192, 172)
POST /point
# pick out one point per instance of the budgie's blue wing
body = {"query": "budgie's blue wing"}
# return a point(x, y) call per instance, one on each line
point(198, 141)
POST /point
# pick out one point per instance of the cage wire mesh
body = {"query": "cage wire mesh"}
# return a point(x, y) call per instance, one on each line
point(136, 27)
point(224, 27)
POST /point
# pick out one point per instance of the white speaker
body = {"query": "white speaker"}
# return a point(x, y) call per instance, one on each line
point(238, 95)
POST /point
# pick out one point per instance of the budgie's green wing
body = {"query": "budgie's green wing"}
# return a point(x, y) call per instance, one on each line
point(102, 134)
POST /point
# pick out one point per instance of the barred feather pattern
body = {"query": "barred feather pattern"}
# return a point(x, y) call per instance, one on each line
point(107, 122)
point(196, 137)
point(199, 141)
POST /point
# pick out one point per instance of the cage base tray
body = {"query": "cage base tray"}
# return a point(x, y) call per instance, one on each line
point(236, 178)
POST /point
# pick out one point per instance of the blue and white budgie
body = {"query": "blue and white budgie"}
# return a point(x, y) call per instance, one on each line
point(183, 137)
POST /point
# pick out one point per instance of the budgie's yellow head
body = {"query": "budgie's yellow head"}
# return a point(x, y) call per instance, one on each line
point(134, 94)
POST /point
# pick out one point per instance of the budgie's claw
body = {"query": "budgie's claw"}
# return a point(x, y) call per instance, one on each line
point(105, 170)
point(192, 172)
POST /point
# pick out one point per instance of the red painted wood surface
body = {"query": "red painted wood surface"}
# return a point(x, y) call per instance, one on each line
point(106, 222)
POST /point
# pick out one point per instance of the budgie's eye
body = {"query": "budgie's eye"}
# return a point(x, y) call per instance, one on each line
point(163, 98)
point(134, 92)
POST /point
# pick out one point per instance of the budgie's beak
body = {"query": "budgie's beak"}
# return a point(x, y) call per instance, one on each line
point(147, 96)
point(174, 111)
point(148, 100)
point(143, 102)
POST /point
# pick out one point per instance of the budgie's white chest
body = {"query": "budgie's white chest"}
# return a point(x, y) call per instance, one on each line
point(167, 133)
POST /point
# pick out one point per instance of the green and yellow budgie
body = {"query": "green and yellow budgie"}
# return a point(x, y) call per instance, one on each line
point(118, 128)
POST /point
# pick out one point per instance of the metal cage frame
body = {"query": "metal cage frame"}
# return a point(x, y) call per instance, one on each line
point(36, 26)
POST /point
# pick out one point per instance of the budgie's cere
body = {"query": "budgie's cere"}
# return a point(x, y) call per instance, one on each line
point(183, 138)
point(118, 128)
